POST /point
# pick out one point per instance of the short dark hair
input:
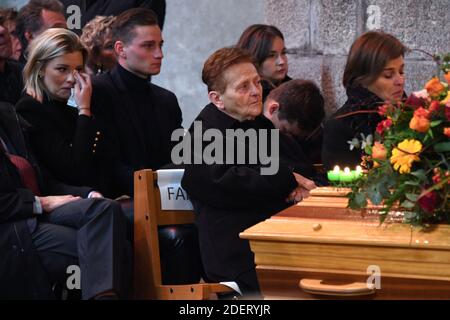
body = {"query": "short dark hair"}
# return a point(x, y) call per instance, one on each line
point(123, 26)
point(218, 62)
point(299, 101)
point(258, 40)
point(368, 56)
point(29, 18)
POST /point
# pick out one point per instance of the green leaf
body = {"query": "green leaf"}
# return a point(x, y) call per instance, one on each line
point(374, 195)
point(412, 183)
point(357, 201)
point(411, 197)
point(420, 174)
point(435, 123)
point(408, 204)
point(442, 147)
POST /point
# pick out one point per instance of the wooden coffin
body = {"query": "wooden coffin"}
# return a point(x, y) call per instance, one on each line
point(319, 249)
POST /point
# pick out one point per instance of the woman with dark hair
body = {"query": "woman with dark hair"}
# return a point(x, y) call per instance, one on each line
point(266, 44)
point(373, 75)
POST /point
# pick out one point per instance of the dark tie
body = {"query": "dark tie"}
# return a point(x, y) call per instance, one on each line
point(26, 171)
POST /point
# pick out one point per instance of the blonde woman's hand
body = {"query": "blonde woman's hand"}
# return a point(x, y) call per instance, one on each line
point(83, 92)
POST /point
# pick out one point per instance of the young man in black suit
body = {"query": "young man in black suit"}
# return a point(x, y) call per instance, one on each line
point(139, 118)
point(138, 115)
point(47, 226)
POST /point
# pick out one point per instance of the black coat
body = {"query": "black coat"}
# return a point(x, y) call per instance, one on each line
point(118, 117)
point(11, 84)
point(66, 143)
point(229, 199)
point(21, 274)
point(344, 125)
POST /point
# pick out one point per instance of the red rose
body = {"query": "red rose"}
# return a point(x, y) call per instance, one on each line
point(414, 101)
point(434, 107)
point(422, 113)
point(429, 201)
point(383, 125)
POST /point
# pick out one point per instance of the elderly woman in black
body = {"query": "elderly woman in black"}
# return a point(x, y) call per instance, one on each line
point(374, 74)
point(64, 138)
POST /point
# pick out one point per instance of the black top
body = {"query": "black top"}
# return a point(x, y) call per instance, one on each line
point(347, 123)
point(138, 117)
point(11, 84)
point(229, 198)
point(268, 86)
point(68, 144)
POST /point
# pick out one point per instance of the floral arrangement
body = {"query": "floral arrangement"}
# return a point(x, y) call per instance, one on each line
point(408, 163)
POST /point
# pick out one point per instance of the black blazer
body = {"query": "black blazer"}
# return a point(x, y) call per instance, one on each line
point(344, 125)
point(113, 109)
point(21, 274)
point(66, 143)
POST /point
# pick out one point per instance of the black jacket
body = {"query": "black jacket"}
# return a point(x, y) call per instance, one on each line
point(69, 145)
point(116, 113)
point(11, 84)
point(344, 125)
point(230, 198)
point(21, 274)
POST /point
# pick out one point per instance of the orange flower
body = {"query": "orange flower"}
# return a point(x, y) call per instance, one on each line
point(434, 87)
point(447, 77)
point(420, 121)
point(379, 151)
point(447, 131)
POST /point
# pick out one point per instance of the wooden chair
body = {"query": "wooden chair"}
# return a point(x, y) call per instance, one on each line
point(148, 215)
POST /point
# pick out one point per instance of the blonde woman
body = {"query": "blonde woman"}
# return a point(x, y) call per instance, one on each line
point(64, 135)
point(96, 37)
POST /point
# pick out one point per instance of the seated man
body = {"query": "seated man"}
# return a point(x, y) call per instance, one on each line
point(34, 18)
point(230, 195)
point(46, 227)
point(296, 108)
point(139, 117)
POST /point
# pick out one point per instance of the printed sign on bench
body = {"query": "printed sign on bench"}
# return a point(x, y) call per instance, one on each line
point(173, 197)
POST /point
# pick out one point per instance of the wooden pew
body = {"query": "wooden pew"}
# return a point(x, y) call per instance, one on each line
point(148, 215)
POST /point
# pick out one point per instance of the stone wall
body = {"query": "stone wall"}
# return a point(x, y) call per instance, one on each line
point(193, 30)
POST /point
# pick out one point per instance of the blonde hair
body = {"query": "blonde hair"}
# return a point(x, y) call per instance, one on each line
point(51, 44)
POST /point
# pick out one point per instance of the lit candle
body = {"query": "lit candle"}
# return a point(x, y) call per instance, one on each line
point(334, 175)
point(346, 175)
point(358, 172)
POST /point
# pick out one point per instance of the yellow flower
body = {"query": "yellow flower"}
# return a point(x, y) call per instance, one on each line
point(405, 154)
